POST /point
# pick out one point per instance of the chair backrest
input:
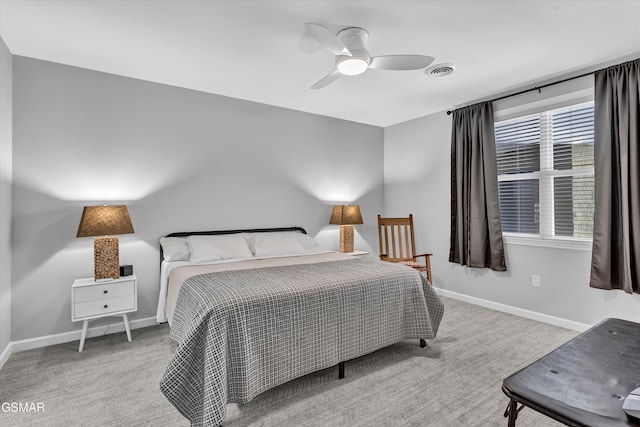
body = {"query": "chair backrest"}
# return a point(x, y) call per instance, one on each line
point(397, 242)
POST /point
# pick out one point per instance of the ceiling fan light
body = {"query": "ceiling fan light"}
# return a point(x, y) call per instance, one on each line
point(352, 66)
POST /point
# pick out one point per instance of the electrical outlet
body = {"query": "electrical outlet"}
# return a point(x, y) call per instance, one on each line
point(535, 280)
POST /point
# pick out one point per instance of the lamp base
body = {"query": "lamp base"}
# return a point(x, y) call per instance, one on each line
point(106, 258)
point(346, 238)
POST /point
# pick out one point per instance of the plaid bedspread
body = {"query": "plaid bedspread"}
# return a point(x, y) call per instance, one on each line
point(242, 332)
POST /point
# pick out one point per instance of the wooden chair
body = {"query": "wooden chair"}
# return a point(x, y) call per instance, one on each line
point(397, 243)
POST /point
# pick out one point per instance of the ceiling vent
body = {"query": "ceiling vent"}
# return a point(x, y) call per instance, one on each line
point(440, 70)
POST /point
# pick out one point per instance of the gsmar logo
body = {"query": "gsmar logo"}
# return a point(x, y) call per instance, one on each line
point(22, 407)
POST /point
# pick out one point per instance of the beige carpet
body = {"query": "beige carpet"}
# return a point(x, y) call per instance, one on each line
point(454, 382)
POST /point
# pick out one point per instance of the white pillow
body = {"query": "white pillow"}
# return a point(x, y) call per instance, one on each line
point(274, 244)
point(224, 246)
point(309, 244)
point(175, 249)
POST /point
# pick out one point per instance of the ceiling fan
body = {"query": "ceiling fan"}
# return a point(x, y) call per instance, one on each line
point(352, 57)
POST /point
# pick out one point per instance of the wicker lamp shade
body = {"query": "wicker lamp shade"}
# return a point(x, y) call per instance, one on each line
point(104, 221)
point(346, 216)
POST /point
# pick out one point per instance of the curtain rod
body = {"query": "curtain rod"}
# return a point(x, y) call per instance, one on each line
point(536, 88)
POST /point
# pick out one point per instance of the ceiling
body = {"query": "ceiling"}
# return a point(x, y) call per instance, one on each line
point(260, 50)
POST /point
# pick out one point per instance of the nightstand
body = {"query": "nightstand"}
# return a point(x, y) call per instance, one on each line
point(93, 300)
point(358, 254)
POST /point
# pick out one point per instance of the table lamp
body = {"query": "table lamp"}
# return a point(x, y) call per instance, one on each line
point(104, 222)
point(346, 216)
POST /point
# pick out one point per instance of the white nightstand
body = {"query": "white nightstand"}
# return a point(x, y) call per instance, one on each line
point(358, 254)
point(93, 300)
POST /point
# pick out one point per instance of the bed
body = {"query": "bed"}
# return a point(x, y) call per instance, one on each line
point(253, 309)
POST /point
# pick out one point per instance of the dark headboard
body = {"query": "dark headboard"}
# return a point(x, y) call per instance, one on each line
point(211, 233)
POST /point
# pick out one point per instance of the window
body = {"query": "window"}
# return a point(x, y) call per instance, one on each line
point(545, 173)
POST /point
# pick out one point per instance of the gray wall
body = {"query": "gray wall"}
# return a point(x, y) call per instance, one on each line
point(417, 168)
point(6, 64)
point(181, 160)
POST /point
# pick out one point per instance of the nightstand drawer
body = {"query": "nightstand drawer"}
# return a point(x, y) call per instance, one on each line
point(103, 306)
point(107, 290)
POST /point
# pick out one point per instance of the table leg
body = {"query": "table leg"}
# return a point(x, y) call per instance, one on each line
point(84, 335)
point(126, 326)
point(513, 413)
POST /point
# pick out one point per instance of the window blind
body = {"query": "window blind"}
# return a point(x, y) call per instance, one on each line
point(545, 172)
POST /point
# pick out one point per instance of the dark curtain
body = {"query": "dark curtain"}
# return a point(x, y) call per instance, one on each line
point(616, 225)
point(476, 231)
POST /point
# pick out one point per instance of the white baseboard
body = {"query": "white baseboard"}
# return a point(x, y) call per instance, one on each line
point(527, 314)
point(114, 326)
point(4, 356)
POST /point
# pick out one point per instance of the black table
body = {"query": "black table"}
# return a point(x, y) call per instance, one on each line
point(583, 382)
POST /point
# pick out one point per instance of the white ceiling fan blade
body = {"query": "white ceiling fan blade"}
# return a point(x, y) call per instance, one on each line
point(400, 62)
point(326, 38)
point(327, 80)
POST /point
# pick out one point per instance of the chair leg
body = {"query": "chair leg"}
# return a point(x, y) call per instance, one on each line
point(428, 259)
